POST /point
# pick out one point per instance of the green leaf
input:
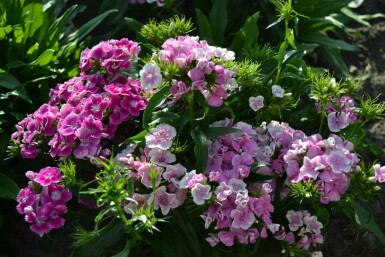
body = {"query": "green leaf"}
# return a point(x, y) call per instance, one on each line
point(137, 138)
point(84, 30)
point(125, 252)
point(56, 29)
point(107, 237)
point(155, 100)
point(354, 16)
point(214, 132)
point(8, 81)
point(323, 40)
point(44, 59)
point(201, 150)
point(8, 188)
point(319, 8)
point(247, 35)
point(161, 116)
point(34, 19)
point(218, 20)
point(366, 219)
point(203, 25)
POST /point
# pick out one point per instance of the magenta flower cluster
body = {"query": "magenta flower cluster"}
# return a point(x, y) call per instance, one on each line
point(86, 109)
point(201, 62)
point(43, 202)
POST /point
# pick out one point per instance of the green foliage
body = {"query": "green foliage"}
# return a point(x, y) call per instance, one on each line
point(305, 191)
point(158, 32)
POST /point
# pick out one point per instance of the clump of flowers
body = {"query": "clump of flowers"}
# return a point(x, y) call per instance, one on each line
point(86, 110)
point(43, 202)
point(340, 113)
point(304, 231)
point(155, 172)
point(201, 65)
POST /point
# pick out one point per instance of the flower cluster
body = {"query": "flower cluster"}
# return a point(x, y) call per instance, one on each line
point(340, 113)
point(325, 162)
point(111, 56)
point(44, 201)
point(87, 109)
point(202, 63)
point(155, 169)
point(307, 231)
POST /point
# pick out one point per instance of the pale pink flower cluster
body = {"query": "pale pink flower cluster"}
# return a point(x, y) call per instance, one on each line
point(43, 202)
point(85, 110)
point(304, 231)
point(155, 166)
point(325, 162)
point(379, 173)
point(200, 61)
point(340, 113)
point(240, 205)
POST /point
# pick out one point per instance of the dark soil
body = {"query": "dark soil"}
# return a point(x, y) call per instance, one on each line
point(345, 238)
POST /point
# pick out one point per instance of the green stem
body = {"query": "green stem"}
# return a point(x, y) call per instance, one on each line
point(191, 109)
point(121, 213)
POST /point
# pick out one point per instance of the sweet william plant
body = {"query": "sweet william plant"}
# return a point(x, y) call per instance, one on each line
point(192, 142)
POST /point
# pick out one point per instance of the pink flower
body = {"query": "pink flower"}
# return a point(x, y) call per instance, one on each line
point(337, 121)
point(312, 224)
point(339, 162)
point(47, 176)
point(56, 194)
point(277, 91)
point(150, 76)
point(161, 136)
point(295, 220)
point(161, 157)
point(311, 167)
point(25, 198)
point(226, 237)
point(165, 200)
point(200, 193)
point(256, 103)
point(379, 173)
point(242, 218)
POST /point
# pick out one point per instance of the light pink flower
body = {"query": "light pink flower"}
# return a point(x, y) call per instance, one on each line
point(256, 103)
point(311, 167)
point(277, 91)
point(312, 224)
point(161, 136)
point(242, 218)
point(379, 173)
point(339, 162)
point(200, 193)
point(150, 76)
point(161, 157)
point(337, 121)
point(165, 200)
point(295, 220)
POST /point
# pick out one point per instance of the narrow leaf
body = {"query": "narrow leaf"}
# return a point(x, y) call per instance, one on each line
point(8, 188)
point(8, 81)
point(218, 20)
point(366, 219)
point(201, 150)
point(203, 25)
point(44, 59)
point(84, 30)
point(155, 100)
point(125, 252)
